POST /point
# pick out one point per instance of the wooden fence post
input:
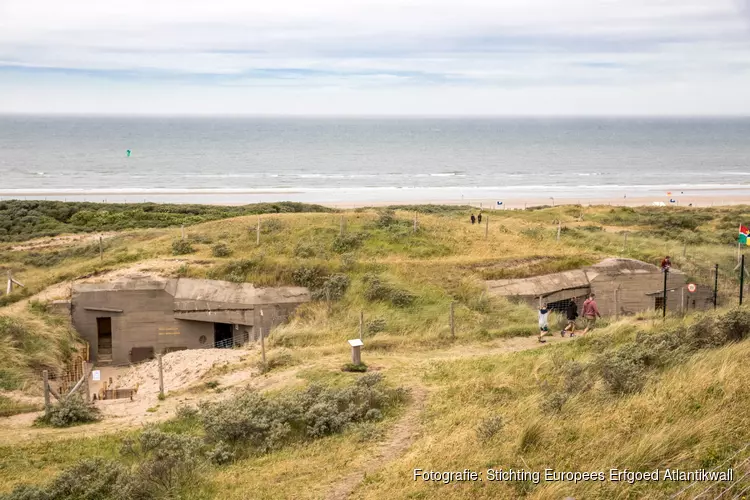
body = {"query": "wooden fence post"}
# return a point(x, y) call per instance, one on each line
point(84, 370)
point(161, 376)
point(453, 321)
point(559, 228)
point(45, 378)
point(262, 346)
point(684, 250)
point(257, 232)
point(415, 221)
point(101, 249)
point(486, 226)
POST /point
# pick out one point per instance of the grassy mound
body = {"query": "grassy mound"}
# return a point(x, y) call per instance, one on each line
point(32, 341)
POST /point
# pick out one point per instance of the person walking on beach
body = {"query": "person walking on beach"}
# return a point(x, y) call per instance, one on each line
point(590, 313)
point(543, 323)
point(473, 219)
point(571, 313)
point(479, 218)
point(666, 264)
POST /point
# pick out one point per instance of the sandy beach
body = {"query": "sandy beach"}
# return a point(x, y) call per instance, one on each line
point(698, 196)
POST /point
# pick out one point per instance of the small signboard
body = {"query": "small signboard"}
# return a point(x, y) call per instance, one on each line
point(692, 288)
point(96, 375)
point(356, 343)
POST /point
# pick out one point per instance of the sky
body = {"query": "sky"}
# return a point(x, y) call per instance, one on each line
point(376, 57)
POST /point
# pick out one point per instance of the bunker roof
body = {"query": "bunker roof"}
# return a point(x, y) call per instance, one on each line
point(186, 290)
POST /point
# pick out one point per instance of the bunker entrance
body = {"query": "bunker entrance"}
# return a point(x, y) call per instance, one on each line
point(223, 335)
point(104, 340)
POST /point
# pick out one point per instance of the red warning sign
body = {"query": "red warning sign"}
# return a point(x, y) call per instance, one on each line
point(692, 288)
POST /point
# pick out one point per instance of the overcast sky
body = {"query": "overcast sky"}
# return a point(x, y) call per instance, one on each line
point(438, 57)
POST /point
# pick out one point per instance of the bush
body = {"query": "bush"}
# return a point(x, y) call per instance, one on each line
point(166, 461)
point(351, 367)
point(347, 242)
point(70, 411)
point(376, 290)
point(235, 270)
point(269, 226)
point(258, 422)
point(386, 218)
point(376, 325)
point(182, 247)
point(333, 288)
point(221, 250)
point(311, 277)
point(488, 427)
point(221, 454)
point(306, 250)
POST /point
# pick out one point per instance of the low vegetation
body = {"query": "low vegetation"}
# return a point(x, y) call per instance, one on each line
point(159, 464)
point(22, 220)
point(72, 410)
point(31, 341)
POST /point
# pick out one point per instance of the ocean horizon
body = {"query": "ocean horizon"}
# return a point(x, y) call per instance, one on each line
point(370, 159)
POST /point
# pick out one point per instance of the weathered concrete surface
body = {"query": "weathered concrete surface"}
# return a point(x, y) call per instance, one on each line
point(622, 286)
point(177, 313)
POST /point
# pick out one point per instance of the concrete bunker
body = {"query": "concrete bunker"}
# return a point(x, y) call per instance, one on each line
point(622, 287)
point(134, 319)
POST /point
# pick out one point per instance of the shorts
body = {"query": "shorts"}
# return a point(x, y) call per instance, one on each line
point(591, 322)
point(571, 323)
point(543, 328)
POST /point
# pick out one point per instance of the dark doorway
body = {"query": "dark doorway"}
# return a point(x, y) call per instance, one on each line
point(659, 303)
point(223, 335)
point(104, 340)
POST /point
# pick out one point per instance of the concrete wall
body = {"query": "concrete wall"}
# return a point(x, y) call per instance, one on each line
point(146, 320)
point(632, 296)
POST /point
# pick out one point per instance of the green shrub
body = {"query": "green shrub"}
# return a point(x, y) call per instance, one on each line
point(386, 218)
point(377, 290)
point(72, 410)
point(347, 242)
point(221, 454)
point(376, 325)
point(182, 247)
point(356, 368)
point(260, 423)
point(489, 427)
point(221, 250)
point(166, 462)
point(333, 288)
point(306, 250)
point(311, 277)
point(235, 271)
point(269, 226)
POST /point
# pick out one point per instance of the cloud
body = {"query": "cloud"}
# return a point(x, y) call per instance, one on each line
point(376, 48)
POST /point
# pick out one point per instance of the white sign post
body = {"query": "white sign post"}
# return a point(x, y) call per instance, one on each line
point(96, 375)
point(356, 351)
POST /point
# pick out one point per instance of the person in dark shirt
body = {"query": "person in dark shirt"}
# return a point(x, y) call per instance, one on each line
point(479, 218)
point(571, 313)
point(473, 219)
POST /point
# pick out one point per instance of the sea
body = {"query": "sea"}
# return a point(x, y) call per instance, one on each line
point(369, 160)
